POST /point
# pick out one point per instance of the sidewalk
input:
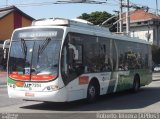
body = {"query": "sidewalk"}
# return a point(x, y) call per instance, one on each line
point(156, 76)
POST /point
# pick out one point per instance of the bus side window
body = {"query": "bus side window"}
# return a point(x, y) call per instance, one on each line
point(79, 61)
point(67, 61)
point(67, 64)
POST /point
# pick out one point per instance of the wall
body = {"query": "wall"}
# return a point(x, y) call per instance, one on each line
point(26, 22)
point(6, 26)
point(141, 33)
point(10, 22)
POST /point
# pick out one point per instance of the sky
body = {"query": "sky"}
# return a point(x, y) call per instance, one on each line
point(70, 10)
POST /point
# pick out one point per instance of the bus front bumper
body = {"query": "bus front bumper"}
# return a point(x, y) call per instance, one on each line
point(53, 96)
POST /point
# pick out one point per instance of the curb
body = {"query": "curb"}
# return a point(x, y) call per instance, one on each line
point(156, 80)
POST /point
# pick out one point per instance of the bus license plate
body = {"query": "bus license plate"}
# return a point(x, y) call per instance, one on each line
point(32, 85)
point(29, 94)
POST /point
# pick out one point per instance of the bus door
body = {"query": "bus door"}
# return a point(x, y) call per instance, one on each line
point(72, 62)
point(114, 66)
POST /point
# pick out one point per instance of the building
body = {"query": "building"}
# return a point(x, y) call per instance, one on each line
point(145, 25)
point(10, 19)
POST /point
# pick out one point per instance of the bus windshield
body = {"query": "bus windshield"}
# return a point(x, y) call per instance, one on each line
point(34, 54)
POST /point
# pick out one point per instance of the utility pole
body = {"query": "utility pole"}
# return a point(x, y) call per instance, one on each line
point(6, 2)
point(157, 7)
point(120, 18)
point(117, 13)
point(127, 18)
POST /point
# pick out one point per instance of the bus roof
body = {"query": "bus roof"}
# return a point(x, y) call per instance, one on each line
point(81, 25)
point(69, 23)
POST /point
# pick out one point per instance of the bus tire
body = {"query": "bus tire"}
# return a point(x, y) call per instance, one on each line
point(136, 84)
point(92, 91)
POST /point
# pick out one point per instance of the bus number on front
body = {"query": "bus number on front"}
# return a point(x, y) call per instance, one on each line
point(29, 85)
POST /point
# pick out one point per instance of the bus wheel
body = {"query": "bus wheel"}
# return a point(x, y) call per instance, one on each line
point(136, 84)
point(92, 92)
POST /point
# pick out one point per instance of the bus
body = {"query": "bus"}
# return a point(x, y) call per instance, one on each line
point(62, 60)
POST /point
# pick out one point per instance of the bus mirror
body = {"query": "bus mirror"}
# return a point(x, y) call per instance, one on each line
point(5, 47)
point(6, 44)
point(5, 53)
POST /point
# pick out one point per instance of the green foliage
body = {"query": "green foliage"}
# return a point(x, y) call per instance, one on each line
point(156, 54)
point(97, 18)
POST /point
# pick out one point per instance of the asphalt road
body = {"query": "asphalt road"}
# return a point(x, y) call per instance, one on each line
point(147, 100)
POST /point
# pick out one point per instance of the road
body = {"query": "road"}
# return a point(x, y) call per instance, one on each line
point(147, 100)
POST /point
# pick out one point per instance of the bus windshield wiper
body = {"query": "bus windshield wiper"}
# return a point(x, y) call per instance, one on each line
point(24, 47)
point(43, 46)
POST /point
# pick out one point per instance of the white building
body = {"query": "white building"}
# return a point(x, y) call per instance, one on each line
point(145, 25)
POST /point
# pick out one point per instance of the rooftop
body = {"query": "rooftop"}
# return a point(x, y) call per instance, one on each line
point(142, 15)
point(7, 10)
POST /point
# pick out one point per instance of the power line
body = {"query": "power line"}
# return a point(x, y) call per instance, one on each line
point(57, 2)
point(116, 3)
point(149, 8)
point(140, 6)
point(81, 1)
point(33, 4)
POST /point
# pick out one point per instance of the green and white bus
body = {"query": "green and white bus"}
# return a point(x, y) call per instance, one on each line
point(61, 60)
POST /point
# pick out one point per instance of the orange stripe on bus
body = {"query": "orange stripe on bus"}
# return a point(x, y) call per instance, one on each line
point(20, 84)
point(26, 77)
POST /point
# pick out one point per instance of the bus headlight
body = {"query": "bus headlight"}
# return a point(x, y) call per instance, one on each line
point(51, 88)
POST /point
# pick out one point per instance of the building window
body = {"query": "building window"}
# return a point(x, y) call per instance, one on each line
point(139, 23)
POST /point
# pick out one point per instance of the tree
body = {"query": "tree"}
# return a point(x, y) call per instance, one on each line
point(97, 18)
